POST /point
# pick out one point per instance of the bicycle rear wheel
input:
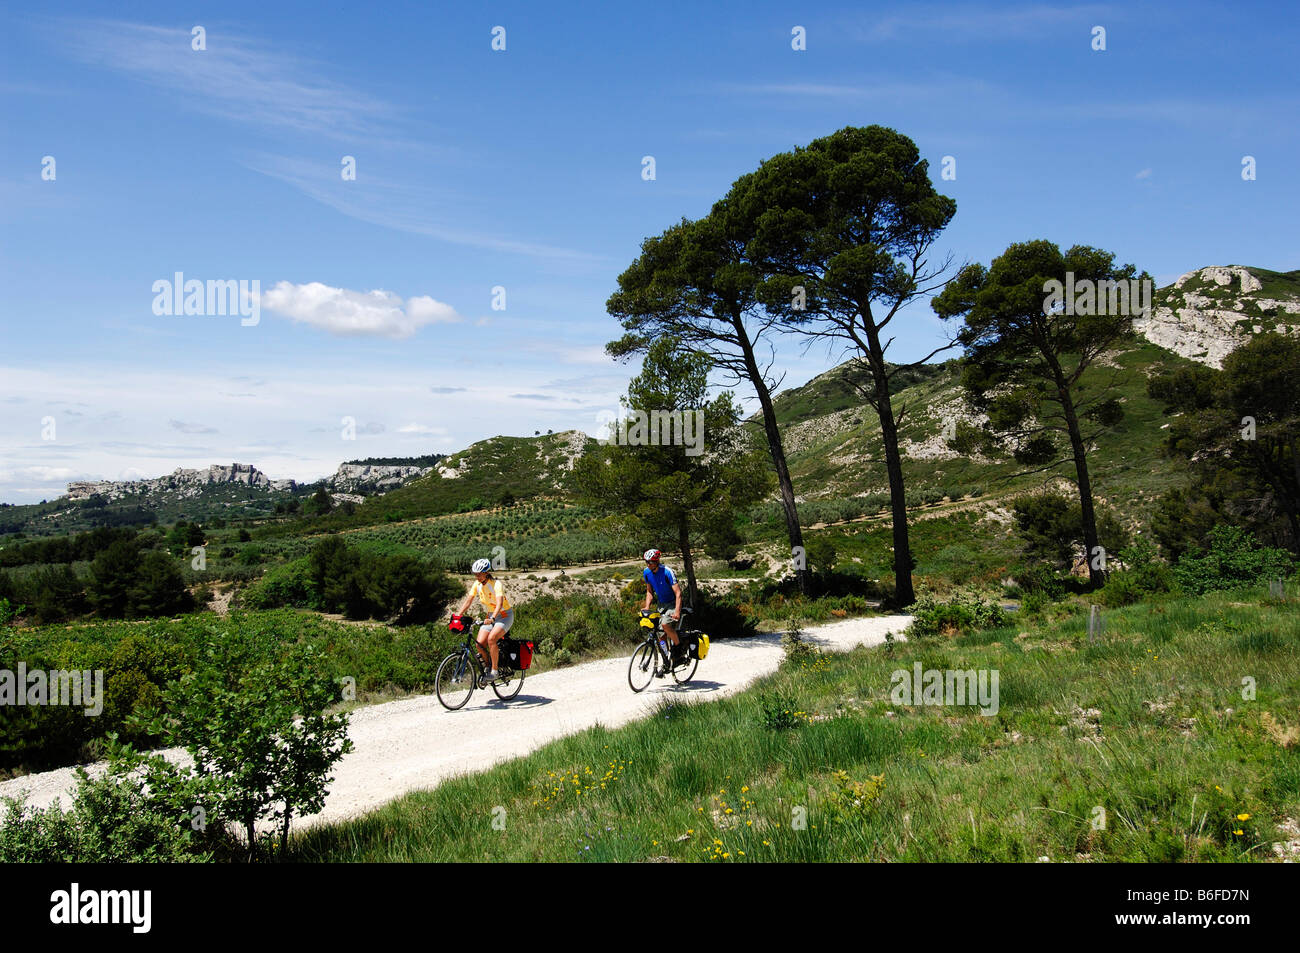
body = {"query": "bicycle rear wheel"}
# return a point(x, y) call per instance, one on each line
point(454, 682)
point(641, 670)
point(684, 670)
point(512, 683)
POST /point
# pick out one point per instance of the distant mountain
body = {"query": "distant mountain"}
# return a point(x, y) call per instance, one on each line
point(179, 484)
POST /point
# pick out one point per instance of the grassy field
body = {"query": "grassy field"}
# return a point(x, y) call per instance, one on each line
point(1139, 748)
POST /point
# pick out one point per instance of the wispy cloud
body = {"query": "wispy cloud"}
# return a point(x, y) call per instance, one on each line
point(402, 207)
point(888, 90)
point(352, 313)
point(980, 22)
point(237, 78)
point(183, 427)
point(1144, 174)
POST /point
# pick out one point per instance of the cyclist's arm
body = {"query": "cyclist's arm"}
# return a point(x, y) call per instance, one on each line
point(499, 591)
point(677, 591)
point(649, 594)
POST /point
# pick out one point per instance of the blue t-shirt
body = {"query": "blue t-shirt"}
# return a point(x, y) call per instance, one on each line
point(662, 583)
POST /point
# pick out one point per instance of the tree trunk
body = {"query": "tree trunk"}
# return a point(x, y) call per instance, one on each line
point(688, 563)
point(777, 449)
point(284, 832)
point(1096, 575)
point(904, 594)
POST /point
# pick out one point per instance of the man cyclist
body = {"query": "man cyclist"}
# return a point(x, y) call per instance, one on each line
point(500, 616)
point(661, 585)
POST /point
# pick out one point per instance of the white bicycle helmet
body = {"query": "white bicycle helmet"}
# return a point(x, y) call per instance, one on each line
point(481, 565)
point(651, 554)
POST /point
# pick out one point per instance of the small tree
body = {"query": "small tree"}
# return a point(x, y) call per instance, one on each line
point(648, 487)
point(321, 502)
point(254, 721)
point(112, 574)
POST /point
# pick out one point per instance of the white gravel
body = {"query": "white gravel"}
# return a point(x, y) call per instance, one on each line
point(415, 743)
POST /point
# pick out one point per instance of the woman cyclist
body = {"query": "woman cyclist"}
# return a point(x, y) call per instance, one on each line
point(500, 615)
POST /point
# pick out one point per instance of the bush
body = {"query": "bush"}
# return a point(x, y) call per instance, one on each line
point(288, 585)
point(957, 617)
point(1042, 581)
point(779, 712)
point(125, 583)
point(115, 818)
point(1232, 560)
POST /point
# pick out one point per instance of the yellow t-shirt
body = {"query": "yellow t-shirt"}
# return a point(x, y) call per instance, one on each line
point(492, 596)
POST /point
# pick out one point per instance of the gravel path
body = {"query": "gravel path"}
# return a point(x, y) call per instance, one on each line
point(415, 743)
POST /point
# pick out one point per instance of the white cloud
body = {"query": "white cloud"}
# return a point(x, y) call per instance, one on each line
point(1144, 174)
point(351, 313)
point(421, 429)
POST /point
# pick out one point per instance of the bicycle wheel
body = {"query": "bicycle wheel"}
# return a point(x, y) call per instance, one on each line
point(513, 682)
point(454, 682)
point(684, 670)
point(641, 670)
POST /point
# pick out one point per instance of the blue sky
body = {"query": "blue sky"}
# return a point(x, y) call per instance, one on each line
point(522, 169)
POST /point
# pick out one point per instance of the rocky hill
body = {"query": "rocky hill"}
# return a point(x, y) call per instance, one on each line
point(1207, 313)
point(180, 483)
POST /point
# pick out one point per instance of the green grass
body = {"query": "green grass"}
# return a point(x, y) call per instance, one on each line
point(1174, 757)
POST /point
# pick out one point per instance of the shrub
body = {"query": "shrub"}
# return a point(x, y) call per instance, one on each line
point(290, 584)
point(115, 818)
point(855, 799)
point(1043, 581)
point(957, 617)
point(798, 650)
point(779, 712)
point(1232, 560)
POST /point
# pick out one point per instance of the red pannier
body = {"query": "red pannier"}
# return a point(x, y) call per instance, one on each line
point(514, 654)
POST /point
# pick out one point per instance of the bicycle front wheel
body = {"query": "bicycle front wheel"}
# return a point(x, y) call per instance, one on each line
point(641, 670)
point(510, 689)
point(455, 681)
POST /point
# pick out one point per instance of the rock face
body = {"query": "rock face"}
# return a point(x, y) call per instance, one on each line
point(180, 482)
point(1208, 313)
point(355, 478)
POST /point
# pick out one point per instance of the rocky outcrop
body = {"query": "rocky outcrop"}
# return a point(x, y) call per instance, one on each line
point(180, 482)
point(1208, 313)
point(354, 478)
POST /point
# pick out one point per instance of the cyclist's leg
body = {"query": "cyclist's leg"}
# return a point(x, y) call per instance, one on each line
point(482, 645)
point(494, 643)
point(666, 623)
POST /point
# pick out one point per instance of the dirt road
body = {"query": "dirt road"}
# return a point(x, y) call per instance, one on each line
point(415, 743)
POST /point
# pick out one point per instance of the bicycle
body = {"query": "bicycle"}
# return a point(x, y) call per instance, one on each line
point(648, 662)
point(462, 671)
